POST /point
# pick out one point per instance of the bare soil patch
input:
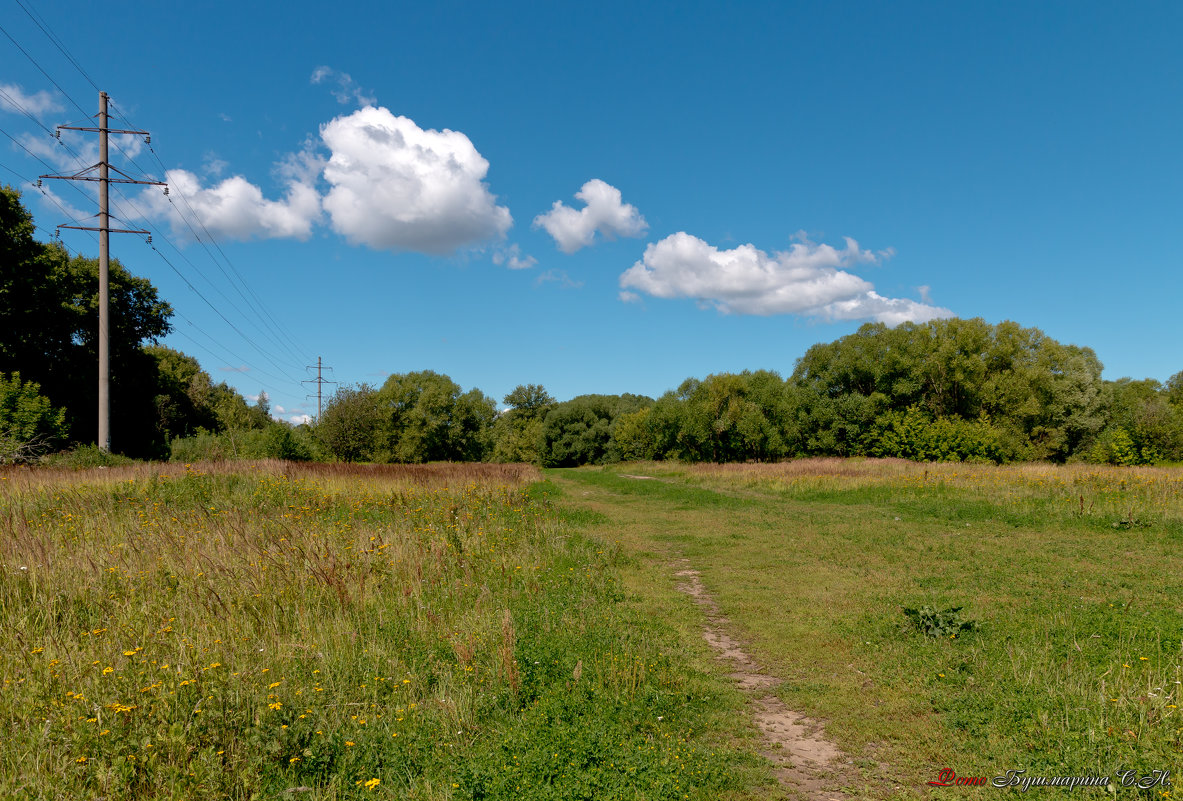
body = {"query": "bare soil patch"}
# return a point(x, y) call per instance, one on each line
point(807, 762)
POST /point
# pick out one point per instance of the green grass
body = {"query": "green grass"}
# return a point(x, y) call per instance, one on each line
point(259, 631)
point(1070, 576)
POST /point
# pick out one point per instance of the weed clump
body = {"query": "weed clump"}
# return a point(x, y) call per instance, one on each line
point(943, 623)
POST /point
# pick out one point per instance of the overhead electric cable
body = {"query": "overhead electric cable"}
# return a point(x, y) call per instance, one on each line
point(157, 233)
point(217, 311)
point(283, 339)
point(43, 72)
point(37, 20)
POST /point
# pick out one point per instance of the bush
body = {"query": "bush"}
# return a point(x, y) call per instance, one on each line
point(277, 441)
point(1116, 446)
point(915, 435)
point(29, 424)
point(85, 457)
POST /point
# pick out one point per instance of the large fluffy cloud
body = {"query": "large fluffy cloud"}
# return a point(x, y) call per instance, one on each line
point(603, 211)
point(807, 279)
point(396, 186)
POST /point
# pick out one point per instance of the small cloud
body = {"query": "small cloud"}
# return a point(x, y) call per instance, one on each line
point(629, 297)
point(559, 277)
point(242, 368)
point(214, 165)
point(603, 211)
point(346, 90)
point(807, 279)
point(299, 419)
point(224, 117)
point(58, 205)
point(76, 148)
point(14, 99)
point(512, 258)
point(925, 291)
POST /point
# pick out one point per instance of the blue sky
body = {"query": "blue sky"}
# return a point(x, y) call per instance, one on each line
point(734, 184)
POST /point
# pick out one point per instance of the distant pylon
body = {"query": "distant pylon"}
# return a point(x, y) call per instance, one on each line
point(320, 382)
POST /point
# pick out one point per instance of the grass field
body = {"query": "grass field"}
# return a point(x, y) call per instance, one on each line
point(1065, 658)
point(475, 632)
point(274, 631)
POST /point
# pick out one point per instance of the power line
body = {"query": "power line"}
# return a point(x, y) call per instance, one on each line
point(156, 232)
point(12, 102)
point(75, 219)
point(56, 42)
point(48, 77)
point(233, 356)
point(261, 309)
point(263, 315)
point(217, 311)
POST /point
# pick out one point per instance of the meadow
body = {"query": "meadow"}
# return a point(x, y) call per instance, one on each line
point(969, 617)
point(270, 630)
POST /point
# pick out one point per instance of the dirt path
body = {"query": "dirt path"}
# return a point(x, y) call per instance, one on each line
point(807, 764)
point(806, 761)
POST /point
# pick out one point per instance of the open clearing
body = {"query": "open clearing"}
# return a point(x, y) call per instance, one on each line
point(655, 631)
point(1066, 655)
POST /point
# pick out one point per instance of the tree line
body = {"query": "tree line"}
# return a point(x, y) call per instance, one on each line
point(944, 390)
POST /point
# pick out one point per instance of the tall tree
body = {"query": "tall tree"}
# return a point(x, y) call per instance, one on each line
point(428, 417)
point(49, 325)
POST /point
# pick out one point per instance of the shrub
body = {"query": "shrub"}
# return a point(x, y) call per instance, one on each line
point(85, 457)
point(276, 441)
point(915, 435)
point(29, 424)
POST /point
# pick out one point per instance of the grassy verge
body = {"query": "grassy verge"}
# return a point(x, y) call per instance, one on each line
point(1067, 581)
point(271, 631)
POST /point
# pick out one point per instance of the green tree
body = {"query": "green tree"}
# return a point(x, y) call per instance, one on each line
point(517, 431)
point(579, 431)
point(1174, 389)
point(529, 400)
point(631, 437)
point(1143, 426)
point(428, 417)
point(49, 320)
point(1043, 398)
point(351, 424)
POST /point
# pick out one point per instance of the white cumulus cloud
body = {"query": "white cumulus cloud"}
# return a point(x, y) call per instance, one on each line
point(807, 279)
point(396, 186)
point(235, 208)
point(14, 99)
point(603, 211)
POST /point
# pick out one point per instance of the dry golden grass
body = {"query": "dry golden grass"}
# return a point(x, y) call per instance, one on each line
point(439, 474)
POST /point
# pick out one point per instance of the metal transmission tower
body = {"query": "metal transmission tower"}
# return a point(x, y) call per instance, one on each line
point(104, 228)
point(320, 382)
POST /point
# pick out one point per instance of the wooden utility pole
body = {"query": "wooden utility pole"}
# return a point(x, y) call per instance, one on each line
point(104, 228)
point(320, 382)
